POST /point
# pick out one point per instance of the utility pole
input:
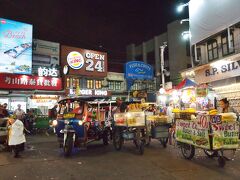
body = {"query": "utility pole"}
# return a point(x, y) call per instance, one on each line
point(162, 63)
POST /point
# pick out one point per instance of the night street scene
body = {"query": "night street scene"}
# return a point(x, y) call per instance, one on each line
point(119, 89)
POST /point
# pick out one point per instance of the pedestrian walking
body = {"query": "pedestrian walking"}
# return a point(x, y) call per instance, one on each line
point(16, 137)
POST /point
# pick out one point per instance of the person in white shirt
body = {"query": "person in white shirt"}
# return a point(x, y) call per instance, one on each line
point(16, 137)
point(19, 112)
point(169, 112)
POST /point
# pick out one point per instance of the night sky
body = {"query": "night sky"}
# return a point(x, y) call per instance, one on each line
point(105, 25)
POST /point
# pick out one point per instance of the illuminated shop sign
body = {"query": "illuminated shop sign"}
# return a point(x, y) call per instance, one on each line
point(49, 97)
point(11, 81)
point(221, 69)
point(89, 92)
point(75, 60)
point(84, 62)
point(138, 70)
point(43, 71)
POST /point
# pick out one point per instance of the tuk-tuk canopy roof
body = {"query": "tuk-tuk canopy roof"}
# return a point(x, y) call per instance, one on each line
point(83, 99)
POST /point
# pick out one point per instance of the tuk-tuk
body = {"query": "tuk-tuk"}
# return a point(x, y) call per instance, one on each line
point(80, 120)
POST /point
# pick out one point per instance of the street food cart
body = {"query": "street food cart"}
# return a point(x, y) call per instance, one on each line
point(129, 126)
point(214, 133)
point(158, 128)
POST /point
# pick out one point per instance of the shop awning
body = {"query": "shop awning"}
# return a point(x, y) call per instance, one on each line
point(185, 83)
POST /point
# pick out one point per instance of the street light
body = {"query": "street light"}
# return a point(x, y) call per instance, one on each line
point(181, 7)
point(184, 20)
point(162, 63)
point(186, 35)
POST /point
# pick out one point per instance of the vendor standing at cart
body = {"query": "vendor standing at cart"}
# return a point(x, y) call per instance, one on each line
point(121, 106)
point(225, 107)
point(169, 112)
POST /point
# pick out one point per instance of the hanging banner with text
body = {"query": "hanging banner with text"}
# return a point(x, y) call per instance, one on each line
point(194, 132)
point(11, 81)
point(221, 69)
point(225, 134)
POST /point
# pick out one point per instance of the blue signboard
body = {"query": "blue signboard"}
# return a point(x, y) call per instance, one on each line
point(138, 70)
point(15, 47)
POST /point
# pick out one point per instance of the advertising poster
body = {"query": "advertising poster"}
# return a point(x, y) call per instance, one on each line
point(15, 47)
point(225, 135)
point(45, 55)
point(194, 132)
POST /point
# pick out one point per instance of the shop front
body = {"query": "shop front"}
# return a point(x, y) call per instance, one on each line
point(29, 91)
point(222, 76)
point(83, 70)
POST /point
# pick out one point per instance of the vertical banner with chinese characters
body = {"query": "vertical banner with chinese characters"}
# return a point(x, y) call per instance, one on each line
point(194, 132)
point(11, 81)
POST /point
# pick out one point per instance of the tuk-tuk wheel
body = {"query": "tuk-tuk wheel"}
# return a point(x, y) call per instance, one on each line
point(221, 161)
point(188, 151)
point(105, 138)
point(68, 146)
point(164, 141)
point(117, 140)
point(210, 154)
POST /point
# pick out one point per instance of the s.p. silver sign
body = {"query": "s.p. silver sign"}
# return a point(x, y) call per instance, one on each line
point(219, 70)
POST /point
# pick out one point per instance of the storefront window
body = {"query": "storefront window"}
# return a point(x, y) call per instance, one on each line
point(98, 84)
point(225, 48)
point(111, 85)
point(67, 83)
point(136, 86)
point(150, 86)
point(212, 50)
point(90, 84)
point(73, 82)
point(77, 82)
point(117, 85)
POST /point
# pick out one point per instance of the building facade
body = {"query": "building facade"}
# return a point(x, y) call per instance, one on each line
point(216, 62)
point(176, 56)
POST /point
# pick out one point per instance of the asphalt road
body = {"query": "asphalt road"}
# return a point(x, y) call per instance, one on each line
point(44, 160)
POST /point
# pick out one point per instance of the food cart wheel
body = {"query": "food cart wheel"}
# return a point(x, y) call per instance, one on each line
point(164, 141)
point(141, 147)
point(117, 140)
point(188, 151)
point(210, 153)
point(147, 141)
point(68, 146)
point(221, 161)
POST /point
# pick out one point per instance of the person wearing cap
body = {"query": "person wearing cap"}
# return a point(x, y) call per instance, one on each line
point(16, 138)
